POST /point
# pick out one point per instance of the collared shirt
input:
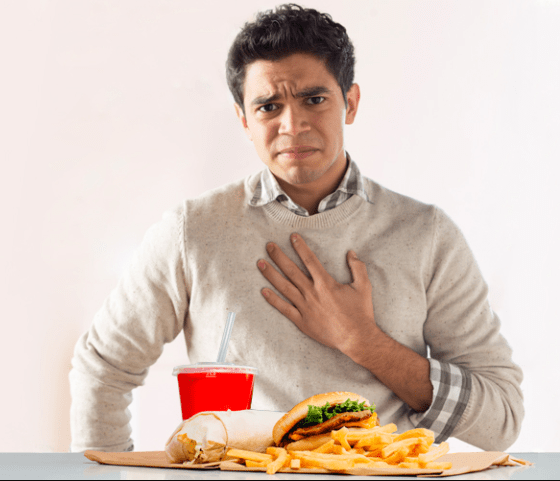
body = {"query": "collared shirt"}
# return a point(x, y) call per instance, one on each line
point(268, 190)
point(451, 383)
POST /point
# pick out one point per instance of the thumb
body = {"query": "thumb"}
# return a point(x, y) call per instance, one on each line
point(358, 270)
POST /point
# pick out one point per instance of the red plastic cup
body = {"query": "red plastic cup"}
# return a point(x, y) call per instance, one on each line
point(211, 386)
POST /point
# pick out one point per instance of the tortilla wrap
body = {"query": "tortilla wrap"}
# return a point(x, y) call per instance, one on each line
point(210, 434)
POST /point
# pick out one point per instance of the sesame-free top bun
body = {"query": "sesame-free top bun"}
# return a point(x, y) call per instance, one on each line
point(299, 411)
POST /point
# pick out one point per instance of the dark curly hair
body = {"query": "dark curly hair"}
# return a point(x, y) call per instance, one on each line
point(291, 29)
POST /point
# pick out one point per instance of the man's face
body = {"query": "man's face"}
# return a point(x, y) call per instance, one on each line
point(296, 103)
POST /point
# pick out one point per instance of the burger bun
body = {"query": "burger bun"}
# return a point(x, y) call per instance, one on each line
point(299, 411)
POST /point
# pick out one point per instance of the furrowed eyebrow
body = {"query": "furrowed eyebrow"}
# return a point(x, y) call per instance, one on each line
point(309, 92)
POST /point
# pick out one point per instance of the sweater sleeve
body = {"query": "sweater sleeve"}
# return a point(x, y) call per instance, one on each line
point(462, 331)
point(145, 311)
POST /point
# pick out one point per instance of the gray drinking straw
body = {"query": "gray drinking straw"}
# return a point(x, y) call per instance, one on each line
point(226, 336)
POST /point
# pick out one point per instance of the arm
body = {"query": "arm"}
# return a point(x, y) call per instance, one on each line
point(341, 316)
point(402, 370)
point(463, 334)
point(143, 313)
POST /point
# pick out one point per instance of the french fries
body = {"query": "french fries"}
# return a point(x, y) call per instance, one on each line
point(250, 455)
point(281, 458)
point(346, 448)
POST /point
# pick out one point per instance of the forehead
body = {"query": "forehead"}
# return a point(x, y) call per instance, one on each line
point(297, 71)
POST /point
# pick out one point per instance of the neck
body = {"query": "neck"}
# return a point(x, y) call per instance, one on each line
point(310, 194)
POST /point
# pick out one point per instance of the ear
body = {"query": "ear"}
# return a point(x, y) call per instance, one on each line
point(353, 97)
point(239, 112)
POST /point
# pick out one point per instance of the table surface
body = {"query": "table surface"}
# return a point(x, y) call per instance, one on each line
point(76, 466)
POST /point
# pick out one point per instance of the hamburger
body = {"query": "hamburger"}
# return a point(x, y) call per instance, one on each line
point(318, 415)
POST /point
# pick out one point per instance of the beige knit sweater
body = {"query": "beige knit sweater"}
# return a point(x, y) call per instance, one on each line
point(200, 261)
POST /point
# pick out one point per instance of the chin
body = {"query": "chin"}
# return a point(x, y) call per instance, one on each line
point(301, 176)
point(300, 173)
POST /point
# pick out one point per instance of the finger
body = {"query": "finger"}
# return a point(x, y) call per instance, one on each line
point(288, 267)
point(309, 258)
point(358, 269)
point(283, 285)
point(282, 306)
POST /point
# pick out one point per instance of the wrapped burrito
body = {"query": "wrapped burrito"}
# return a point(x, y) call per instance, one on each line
point(206, 437)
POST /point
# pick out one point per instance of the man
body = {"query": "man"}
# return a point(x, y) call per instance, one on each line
point(338, 283)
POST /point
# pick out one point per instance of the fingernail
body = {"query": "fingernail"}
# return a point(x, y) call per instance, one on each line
point(353, 254)
point(294, 238)
point(262, 265)
point(270, 247)
point(265, 293)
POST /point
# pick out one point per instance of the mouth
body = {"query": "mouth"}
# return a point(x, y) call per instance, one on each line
point(298, 153)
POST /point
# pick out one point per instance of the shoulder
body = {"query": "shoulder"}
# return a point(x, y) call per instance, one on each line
point(226, 206)
point(395, 207)
point(412, 216)
point(225, 198)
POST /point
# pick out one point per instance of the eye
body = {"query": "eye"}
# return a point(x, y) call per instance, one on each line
point(266, 109)
point(322, 99)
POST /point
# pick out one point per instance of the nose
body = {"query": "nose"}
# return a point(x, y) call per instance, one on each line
point(293, 121)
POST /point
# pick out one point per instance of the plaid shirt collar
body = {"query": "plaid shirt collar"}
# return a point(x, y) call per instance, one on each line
point(268, 190)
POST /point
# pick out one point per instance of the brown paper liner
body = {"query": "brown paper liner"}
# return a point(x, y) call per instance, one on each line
point(147, 459)
point(462, 463)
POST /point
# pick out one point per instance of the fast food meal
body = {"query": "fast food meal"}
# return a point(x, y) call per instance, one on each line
point(340, 432)
point(205, 437)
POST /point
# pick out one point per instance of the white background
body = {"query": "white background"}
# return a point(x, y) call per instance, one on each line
point(112, 112)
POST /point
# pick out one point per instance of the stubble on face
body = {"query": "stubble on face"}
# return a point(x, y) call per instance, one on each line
point(301, 175)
